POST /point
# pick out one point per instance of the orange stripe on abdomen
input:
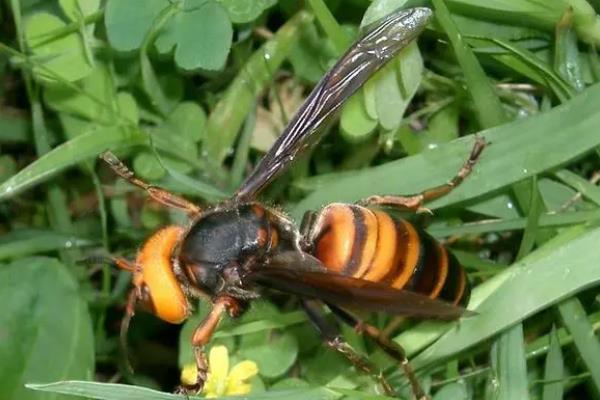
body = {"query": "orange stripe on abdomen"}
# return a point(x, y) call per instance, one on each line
point(335, 240)
point(386, 239)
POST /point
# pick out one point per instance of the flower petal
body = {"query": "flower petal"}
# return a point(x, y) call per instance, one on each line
point(218, 359)
point(243, 370)
point(189, 374)
point(239, 389)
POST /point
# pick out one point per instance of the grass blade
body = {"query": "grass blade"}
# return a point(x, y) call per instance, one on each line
point(508, 360)
point(114, 391)
point(554, 370)
point(487, 104)
point(586, 342)
point(85, 146)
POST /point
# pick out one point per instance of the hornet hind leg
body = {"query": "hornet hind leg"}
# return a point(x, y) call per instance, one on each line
point(333, 339)
point(393, 349)
point(415, 202)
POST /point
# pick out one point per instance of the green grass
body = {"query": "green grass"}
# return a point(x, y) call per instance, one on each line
point(189, 92)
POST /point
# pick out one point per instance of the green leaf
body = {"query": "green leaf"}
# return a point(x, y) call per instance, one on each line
point(147, 167)
point(46, 328)
point(355, 122)
point(243, 11)
point(554, 370)
point(488, 108)
point(273, 352)
point(63, 56)
point(93, 102)
point(508, 362)
point(587, 189)
point(128, 22)
point(568, 129)
point(114, 391)
point(68, 154)
point(575, 320)
point(201, 33)
point(188, 120)
point(452, 391)
point(21, 243)
point(76, 9)
point(396, 85)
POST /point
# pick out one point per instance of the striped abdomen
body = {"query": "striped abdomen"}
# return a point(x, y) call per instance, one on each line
point(373, 245)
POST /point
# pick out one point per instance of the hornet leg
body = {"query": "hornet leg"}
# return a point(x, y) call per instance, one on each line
point(393, 349)
point(415, 202)
point(334, 340)
point(161, 195)
point(202, 335)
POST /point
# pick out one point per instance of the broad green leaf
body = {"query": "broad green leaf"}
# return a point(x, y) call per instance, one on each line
point(147, 167)
point(94, 102)
point(46, 329)
point(63, 56)
point(568, 129)
point(68, 154)
point(188, 120)
point(76, 9)
point(128, 22)
point(201, 34)
point(565, 265)
point(508, 364)
point(273, 352)
point(355, 122)
point(128, 107)
point(452, 391)
point(243, 11)
point(310, 54)
point(115, 391)
point(396, 85)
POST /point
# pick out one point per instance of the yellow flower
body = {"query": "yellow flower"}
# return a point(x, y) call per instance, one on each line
point(220, 380)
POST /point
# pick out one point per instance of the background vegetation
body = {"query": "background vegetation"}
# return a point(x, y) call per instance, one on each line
point(192, 92)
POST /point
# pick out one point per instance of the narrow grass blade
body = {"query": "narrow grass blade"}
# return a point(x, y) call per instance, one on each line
point(114, 391)
point(575, 319)
point(554, 370)
point(487, 104)
point(82, 147)
point(508, 362)
point(21, 243)
point(586, 188)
